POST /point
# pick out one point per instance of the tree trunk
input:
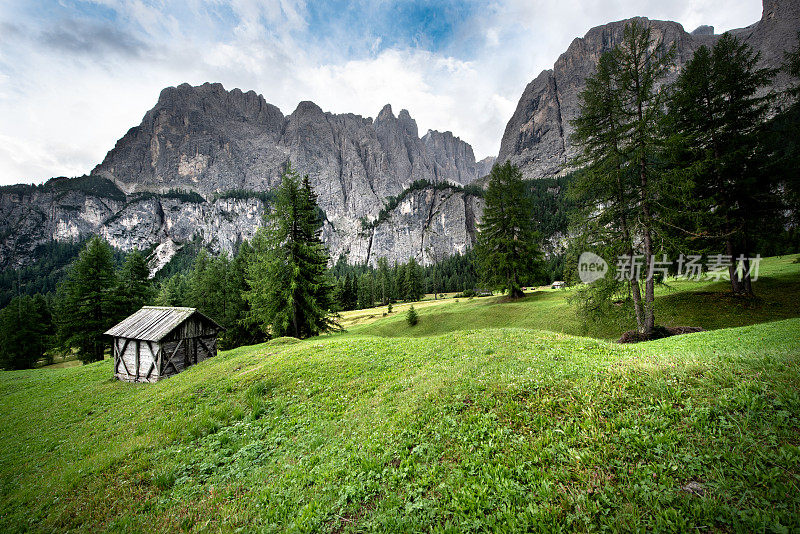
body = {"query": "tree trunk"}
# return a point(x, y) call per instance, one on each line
point(649, 288)
point(746, 278)
point(635, 290)
point(736, 286)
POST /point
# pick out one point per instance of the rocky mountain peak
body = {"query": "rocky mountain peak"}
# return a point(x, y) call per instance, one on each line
point(408, 124)
point(307, 108)
point(385, 114)
point(703, 30)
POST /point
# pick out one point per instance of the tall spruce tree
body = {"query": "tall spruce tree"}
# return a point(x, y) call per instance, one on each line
point(618, 132)
point(350, 293)
point(86, 301)
point(436, 283)
point(240, 329)
point(604, 191)
point(200, 281)
point(290, 292)
point(785, 136)
point(412, 284)
point(365, 291)
point(781, 137)
point(384, 281)
point(716, 114)
point(507, 249)
point(399, 281)
point(173, 291)
point(134, 287)
point(25, 331)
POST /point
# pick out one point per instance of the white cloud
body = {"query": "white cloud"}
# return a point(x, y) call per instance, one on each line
point(61, 111)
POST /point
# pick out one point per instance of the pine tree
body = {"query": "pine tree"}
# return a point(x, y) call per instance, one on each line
point(86, 301)
point(412, 284)
point(134, 287)
point(173, 291)
point(716, 113)
point(384, 281)
point(365, 291)
point(436, 283)
point(349, 300)
point(605, 190)
point(290, 292)
point(411, 316)
point(399, 281)
point(240, 330)
point(25, 327)
point(507, 245)
point(783, 139)
point(199, 282)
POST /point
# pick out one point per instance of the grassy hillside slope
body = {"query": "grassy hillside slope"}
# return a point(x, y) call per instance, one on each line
point(707, 304)
point(467, 431)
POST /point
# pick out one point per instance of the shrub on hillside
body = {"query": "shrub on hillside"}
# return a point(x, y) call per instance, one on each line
point(411, 316)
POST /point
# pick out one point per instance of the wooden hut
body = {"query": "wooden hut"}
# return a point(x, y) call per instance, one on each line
point(157, 342)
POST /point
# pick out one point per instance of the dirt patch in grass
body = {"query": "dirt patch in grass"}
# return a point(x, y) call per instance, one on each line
point(659, 332)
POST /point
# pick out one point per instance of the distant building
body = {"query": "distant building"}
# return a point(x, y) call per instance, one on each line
point(558, 285)
point(157, 342)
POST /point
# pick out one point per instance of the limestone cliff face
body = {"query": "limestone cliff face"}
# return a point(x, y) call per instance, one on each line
point(33, 216)
point(537, 138)
point(429, 224)
point(453, 160)
point(211, 141)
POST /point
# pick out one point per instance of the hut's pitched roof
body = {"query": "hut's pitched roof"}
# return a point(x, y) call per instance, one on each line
point(153, 323)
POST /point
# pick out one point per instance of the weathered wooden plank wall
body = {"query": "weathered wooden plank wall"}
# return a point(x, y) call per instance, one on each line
point(191, 328)
point(135, 360)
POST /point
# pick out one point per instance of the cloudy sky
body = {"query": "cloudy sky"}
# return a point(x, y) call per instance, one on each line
point(75, 75)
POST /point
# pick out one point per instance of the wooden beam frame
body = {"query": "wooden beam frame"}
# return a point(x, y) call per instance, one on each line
point(122, 356)
point(150, 370)
point(156, 354)
point(169, 359)
point(208, 349)
point(137, 364)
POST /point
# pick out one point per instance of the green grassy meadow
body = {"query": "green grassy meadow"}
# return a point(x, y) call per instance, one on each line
point(485, 417)
point(707, 304)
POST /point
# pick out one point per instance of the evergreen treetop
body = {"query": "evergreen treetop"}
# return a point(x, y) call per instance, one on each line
point(290, 292)
point(507, 247)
